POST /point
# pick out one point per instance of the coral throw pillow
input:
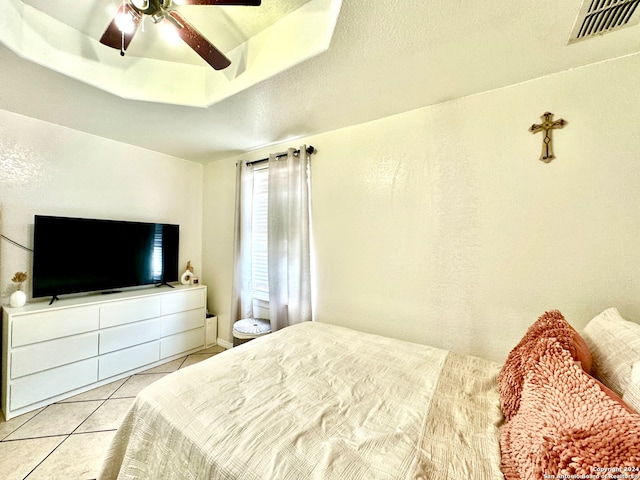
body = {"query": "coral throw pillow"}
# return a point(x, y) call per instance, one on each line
point(567, 425)
point(550, 325)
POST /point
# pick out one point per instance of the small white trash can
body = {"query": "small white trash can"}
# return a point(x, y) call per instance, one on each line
point(248, 329)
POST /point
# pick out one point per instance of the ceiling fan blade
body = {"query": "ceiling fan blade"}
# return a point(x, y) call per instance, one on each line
point(198, 43)
point(112, 36)
point(248, 3)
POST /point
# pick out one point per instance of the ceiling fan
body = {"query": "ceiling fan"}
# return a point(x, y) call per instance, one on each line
point(129, 16)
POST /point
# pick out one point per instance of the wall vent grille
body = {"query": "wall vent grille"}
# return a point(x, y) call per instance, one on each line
point(598, 17)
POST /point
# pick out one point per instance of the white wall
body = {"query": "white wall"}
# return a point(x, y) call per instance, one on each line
point(441, 226)
point(217, 243)
point(51, 170)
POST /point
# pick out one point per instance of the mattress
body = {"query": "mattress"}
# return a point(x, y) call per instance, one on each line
point(316, 401)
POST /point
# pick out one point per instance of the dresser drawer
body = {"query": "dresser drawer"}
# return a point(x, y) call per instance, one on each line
point(182, 342)
point(124, 336)
point(183, 300)
point(181, 322)
point(51, 352)
point(129, 311)
point(43, 385)
point(128, 359)
point(54, 353)
point(42, 326)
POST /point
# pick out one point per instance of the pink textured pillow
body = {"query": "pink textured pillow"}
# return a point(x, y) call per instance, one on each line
point(550, 325)
point(567, 425)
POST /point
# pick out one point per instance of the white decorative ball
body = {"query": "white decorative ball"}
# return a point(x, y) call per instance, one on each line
point(18, 299)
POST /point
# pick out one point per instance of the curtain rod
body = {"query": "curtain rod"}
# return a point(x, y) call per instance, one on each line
point(310, 150)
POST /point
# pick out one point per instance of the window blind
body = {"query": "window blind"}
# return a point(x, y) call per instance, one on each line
point(259, 235)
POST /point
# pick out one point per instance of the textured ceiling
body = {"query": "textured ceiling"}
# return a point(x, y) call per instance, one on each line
point(385, 57)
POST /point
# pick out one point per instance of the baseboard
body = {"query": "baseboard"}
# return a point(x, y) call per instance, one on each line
point(224, 343)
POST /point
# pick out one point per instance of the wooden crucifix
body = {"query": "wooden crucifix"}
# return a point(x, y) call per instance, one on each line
point(547, 126)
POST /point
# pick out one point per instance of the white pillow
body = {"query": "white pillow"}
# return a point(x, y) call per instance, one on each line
point(632, 396)
point(615, 347)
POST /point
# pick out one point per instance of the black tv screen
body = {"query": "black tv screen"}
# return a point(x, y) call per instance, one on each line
point(74, 255)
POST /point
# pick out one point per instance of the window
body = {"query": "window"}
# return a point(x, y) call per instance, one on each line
point(259, 236)
point(272, 255)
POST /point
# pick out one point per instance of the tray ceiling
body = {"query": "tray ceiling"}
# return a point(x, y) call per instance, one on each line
point(261, 42)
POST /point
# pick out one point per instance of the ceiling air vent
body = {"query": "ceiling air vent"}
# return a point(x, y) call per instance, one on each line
point(598, 17)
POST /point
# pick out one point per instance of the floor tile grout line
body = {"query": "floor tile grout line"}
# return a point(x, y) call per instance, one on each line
point(67, 402)
point(35, 438)
point(102, 430)
point(46, 456)
point(88, 416)
point(63, 441)
point(23, 424)
point(184, 359)
point(42, 411)
point(111, 397)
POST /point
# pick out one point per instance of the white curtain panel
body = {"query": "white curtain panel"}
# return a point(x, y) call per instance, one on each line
point(289, 252)
point(242, 300)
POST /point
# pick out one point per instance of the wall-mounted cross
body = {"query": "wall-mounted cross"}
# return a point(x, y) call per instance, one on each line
point(547, 126)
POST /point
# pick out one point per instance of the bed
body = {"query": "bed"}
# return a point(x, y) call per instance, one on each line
point(317, 401)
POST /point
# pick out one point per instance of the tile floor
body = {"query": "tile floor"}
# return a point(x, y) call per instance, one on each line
point(67, 440)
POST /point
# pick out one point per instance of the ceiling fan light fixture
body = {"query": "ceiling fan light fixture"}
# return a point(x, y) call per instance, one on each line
point(140, 4)
point(157, 17)
point(125, 22)
point(170, 34)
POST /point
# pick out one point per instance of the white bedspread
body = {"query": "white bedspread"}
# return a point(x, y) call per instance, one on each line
point(316, 401)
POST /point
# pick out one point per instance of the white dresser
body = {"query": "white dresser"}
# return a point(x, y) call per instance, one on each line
point(52, 352)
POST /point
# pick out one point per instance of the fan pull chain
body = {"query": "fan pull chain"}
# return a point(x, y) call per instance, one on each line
point(124, 9)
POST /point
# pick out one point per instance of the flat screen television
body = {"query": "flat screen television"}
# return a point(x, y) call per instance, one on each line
point(75, 255)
